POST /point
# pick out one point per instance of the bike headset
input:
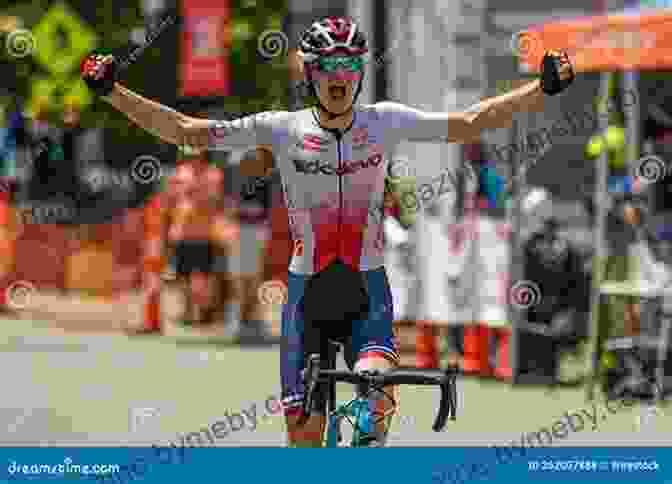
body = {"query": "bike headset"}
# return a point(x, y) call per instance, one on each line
point(327, 36)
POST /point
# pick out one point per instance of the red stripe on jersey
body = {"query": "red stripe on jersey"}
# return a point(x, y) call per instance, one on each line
point(352, 242)
point(312, 143)
point(336, 237)
point(325, 231)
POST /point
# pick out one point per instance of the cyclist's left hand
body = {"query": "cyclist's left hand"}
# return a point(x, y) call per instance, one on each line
point(557, 72)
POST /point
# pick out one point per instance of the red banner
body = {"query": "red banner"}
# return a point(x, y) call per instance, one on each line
point(206, 40)
point(603, 43)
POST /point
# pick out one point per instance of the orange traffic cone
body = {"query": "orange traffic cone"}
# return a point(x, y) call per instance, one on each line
point(426, 347)
point(6, 243)
point(476, 349)
point(503, 370)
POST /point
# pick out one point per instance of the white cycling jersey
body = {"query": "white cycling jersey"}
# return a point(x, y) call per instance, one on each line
point(333, 181)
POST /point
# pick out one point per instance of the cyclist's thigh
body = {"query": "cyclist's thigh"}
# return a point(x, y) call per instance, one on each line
point(292, 358)
point(375, 336)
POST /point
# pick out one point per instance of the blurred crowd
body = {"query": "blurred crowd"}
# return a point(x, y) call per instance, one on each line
point(453, 265)
point(449, 265)
point(550, 289)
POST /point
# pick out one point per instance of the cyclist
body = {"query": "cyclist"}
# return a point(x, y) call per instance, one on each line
point(332, 159)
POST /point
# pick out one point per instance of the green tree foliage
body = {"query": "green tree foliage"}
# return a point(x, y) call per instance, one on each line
point(260, 84)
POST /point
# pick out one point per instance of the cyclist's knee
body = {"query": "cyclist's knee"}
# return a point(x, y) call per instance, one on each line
point(385, 399)
point(374, 361)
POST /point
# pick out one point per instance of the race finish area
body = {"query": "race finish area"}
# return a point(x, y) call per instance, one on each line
point(135, 329)
point(77, 389)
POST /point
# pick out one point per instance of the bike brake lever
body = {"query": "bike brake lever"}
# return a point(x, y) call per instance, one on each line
point(310, 378)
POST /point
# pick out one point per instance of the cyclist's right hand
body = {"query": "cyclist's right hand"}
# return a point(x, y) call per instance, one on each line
point(195, 132)
point(99, 72)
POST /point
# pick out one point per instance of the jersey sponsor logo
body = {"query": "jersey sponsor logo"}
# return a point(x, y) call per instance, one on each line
point(298, 248)
point(219, 131)
point(360, 136)
point(223, 129)
point(318, 167)
point(313, 143)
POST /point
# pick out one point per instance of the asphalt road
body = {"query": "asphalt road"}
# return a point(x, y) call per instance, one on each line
point(102, 390)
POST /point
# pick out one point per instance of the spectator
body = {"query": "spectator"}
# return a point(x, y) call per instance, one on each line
point(255, 206)
point(224, 235)
point(561, 314)
point(439, 310)
point(481, 241)
point(632, 259)
point(189, 233)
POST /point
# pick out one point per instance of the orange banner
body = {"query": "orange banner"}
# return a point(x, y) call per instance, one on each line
point(206, 40)
point(602, 43)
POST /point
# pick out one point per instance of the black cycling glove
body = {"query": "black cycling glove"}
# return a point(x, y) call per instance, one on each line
point(100, 72)
point(551, 82)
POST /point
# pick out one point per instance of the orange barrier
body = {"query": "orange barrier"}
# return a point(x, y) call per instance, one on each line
point(603, 42)
point(59, 258)
point(6, 243)
point(153, 262)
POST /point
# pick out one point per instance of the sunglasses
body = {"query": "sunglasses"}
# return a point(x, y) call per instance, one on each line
point(333, 64)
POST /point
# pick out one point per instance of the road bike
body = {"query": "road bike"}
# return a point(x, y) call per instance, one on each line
point(357, 411)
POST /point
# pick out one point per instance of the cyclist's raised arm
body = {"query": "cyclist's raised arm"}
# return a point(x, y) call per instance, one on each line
point(155, 118)
point(269, 129)
point(100, 74)
point(496, 112)
point(407, 123)
point(461, 127)
point(200, 134)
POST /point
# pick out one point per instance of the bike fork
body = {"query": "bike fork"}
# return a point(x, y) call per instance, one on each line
point(334, 431)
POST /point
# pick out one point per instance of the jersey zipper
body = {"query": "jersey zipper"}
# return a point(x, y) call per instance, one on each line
point(339, 138)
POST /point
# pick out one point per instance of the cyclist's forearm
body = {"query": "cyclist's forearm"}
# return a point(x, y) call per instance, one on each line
point(498, 112)
point(151, 116)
